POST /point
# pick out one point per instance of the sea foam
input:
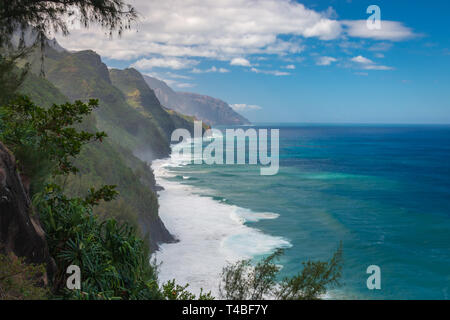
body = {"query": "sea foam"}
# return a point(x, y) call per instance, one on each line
point(211, 233)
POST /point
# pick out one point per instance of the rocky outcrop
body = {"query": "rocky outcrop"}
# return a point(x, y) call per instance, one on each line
point(20, 230)
point(156, 232)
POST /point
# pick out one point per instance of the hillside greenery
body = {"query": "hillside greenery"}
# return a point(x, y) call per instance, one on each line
point(246, 281)
point(105, 163)
point(113, 258)
point(18, 279)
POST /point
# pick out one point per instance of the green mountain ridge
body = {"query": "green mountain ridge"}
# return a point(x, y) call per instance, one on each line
point(82, 76)
point(138, 129)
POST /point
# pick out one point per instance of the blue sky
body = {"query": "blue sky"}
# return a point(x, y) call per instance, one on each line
point(278, 61)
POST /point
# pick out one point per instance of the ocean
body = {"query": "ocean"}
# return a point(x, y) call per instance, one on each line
point(383, 190)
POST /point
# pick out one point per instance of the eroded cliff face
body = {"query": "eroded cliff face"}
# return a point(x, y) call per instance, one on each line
point(20, 230)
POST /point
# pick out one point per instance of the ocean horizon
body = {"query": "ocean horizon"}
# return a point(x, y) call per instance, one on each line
point(380, 189)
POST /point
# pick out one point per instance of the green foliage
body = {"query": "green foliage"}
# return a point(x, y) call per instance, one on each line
point(108, 164)
point(143, 99)
point(49, 15)
point(114, 262)
point(42, 92)
point(173, 291)
point(243, 281)
point(45, 140)
point(113, 259)
point(11, 77)
point(19, 280)
point(313, 280)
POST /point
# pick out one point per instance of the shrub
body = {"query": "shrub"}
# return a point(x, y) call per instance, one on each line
point(243, 281)
point(19, 280)
point(114, 262)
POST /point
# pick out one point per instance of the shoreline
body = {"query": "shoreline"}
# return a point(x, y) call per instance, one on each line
point(211, 234)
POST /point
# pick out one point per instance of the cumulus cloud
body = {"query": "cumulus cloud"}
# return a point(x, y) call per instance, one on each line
point(176, 33)
point(368, 64)
point(362, 60)
point(390, 30)
point(211, 29)
point(290, 67)
point(325, 61)
point(240, 62)
point(245, 107)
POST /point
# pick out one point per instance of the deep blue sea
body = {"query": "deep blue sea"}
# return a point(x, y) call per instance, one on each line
point(383, 190)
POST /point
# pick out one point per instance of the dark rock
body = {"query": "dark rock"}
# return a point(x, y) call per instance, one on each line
point(20, 230)
point(157, 233)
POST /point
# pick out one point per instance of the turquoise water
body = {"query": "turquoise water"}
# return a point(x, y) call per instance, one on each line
point(384, 191)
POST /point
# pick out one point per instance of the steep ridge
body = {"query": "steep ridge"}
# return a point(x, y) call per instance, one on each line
point(82, 75)
point(138, 95)
point(112, 164)
point(138, 129)
point(114, 161)
point(208, 109)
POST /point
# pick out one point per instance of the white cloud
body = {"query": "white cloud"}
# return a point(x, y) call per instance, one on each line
point(224, 30)
point(272, 72)
point(390, 30)
point(213, 29)
point(245, 107)
point(176, 76)
point(362, 60)
point(290, 67)
point(377, 67)
point(368, 64)
point(240, 62)
point(164, 62)
point(212, 69)
point(325, 61)
point(183, 84)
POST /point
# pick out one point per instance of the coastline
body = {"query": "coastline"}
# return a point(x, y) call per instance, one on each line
point(210, 233)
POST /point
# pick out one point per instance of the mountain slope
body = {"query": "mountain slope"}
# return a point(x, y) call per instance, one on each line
point(82, 75)
point(138, 95)
point(109, 162)
point(208, 109)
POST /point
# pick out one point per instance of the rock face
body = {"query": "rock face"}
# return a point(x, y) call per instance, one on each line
point(20, 231)
point(208, 109)
point(157, 233)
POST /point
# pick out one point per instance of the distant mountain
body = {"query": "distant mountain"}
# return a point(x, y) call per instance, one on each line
point(208, 109)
